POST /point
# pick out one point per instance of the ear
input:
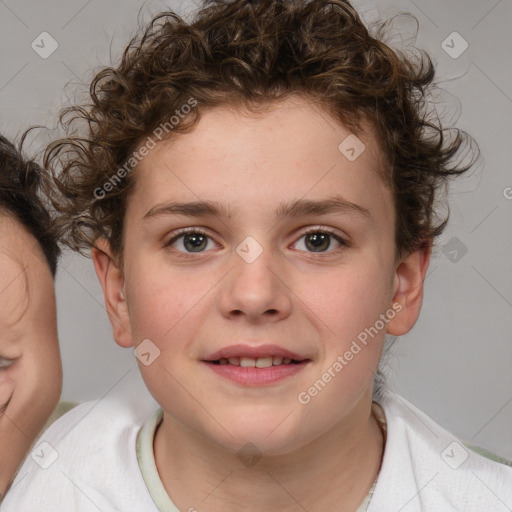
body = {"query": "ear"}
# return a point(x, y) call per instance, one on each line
point(112, 281)
point(408, 290)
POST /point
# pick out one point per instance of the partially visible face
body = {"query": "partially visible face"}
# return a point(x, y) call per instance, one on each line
point(311, 294)
point(30, 366)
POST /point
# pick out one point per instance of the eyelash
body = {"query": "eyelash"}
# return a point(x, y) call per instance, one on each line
point(344, 244)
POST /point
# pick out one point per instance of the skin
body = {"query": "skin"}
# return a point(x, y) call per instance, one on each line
point(309, 302)
point(30, 387)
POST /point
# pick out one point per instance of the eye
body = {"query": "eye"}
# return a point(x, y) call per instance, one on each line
point(319, 240)
point(192, 240)
point(5, 363)
point(195, 240)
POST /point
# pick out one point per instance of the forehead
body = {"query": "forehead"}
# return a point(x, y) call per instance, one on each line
point(291, 150)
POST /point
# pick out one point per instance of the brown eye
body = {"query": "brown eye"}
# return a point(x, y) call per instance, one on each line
point(320, 241)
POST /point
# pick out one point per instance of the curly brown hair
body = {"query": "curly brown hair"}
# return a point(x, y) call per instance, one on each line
point(252, 53)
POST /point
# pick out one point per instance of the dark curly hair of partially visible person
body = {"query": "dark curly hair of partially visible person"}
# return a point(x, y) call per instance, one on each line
point(251, 54)
point(22, 197)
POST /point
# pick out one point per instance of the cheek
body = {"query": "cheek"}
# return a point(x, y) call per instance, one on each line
point(347, 309)
point(347, 301)
point(6, 388)
point(162, 303)
point(38, 387)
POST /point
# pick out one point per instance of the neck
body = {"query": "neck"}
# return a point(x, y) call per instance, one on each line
point(198, 474)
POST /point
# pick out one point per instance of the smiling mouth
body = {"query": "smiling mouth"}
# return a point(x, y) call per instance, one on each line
point(260, 362)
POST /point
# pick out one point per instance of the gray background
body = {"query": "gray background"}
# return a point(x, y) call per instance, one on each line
point(456, 364)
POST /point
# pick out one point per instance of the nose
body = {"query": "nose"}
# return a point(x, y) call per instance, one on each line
point(255, 290)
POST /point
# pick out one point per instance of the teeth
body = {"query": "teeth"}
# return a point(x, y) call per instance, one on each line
point(264, 362)
point(260, 362)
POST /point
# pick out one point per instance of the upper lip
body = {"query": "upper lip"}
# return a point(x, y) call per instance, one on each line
point(243, 350)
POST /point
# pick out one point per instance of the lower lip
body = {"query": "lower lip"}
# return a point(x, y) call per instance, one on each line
point(252, 376)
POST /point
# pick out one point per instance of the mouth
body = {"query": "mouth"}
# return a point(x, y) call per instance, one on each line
point(260, 362)
point(255, 356)
point(246, 373)
point(258, 365)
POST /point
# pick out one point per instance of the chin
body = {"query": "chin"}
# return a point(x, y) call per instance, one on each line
point(262, 436)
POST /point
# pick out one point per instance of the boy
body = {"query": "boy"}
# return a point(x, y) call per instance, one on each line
point(30, 367)
point(288, 149)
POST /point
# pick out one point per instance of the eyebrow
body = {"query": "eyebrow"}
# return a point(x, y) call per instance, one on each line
point(295, 208)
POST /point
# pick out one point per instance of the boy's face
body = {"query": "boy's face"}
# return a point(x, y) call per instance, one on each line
point(30, 367)
point(310, 295)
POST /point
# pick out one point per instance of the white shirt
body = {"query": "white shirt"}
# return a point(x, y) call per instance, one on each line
point(88, 461)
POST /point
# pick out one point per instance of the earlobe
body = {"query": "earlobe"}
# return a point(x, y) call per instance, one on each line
point(112, 282)
point(408, 290)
